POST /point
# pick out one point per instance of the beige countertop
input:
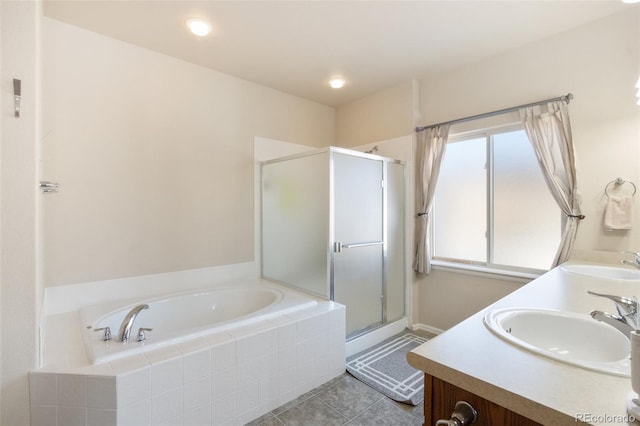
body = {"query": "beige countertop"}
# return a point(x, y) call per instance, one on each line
point(550, 392)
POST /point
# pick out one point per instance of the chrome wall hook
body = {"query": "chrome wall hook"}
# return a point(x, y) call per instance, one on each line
point(48, 187)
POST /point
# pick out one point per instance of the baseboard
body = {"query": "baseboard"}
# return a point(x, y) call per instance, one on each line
point(427, 328)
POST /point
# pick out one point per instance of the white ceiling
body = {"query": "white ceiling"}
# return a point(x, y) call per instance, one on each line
point(296, 46)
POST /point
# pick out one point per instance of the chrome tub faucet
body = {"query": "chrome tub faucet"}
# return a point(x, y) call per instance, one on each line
point(627, 319)
point(127, 323)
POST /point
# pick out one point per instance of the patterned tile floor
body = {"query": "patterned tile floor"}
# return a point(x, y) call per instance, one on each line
point(343, 401)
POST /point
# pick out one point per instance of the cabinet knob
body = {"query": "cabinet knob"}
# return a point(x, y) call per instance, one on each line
point(463, 414)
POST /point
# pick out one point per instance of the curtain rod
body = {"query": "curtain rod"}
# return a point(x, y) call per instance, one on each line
point(566, 98)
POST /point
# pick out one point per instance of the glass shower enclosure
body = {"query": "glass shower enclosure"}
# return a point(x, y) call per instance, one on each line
point(333, 225)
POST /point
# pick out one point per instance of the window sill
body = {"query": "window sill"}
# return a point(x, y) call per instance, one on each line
point(484, 271)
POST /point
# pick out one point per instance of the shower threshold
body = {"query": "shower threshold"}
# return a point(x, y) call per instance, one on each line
point(366, 330)
point(374, 335)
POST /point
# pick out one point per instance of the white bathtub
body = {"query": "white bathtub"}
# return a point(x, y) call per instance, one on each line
point(180, 317)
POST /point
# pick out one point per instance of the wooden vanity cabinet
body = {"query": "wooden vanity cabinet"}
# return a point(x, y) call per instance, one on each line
point(440, 399)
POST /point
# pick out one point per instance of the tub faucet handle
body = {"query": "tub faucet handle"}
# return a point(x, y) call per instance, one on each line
point(106, 336)
point(141, 334)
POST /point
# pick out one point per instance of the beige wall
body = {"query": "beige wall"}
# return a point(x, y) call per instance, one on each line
point(599, 63)
point(155, 158)
point(384, 115)
point(20, 292)
point(446, 298)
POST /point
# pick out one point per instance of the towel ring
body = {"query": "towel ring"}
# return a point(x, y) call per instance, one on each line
point(617, 182)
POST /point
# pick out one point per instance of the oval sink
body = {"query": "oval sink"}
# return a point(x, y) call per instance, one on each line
point(599, 271)
point(564, 336)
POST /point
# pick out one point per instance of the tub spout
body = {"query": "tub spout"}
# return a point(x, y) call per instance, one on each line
point(127, 323)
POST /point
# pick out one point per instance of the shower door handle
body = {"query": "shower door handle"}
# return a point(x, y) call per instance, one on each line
point(338, 246)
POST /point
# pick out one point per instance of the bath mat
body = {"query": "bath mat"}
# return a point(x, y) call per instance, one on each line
point(384, 367)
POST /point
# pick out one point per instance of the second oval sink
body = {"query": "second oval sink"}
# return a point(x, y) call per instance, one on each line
point(600, 271)
point(564, 336)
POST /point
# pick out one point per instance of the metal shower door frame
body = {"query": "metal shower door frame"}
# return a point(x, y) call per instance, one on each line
point(334, 247)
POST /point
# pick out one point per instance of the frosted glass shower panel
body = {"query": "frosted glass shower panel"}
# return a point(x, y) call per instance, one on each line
point(358, 199)
point(394, 292)
point(358, 285)
point(358, 227)
point(295, 222)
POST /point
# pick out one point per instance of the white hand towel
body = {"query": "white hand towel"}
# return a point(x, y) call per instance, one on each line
point(618, 212)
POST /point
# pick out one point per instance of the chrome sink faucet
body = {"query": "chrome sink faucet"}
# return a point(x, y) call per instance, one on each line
point(627, 319)
point(127, 323)
point(636, 260)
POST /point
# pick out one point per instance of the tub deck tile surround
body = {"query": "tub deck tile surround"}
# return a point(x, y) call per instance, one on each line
point(232, 377)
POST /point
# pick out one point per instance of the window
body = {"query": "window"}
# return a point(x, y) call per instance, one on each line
point(492, 207)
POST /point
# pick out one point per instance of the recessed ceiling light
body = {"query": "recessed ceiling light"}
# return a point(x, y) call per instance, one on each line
point(336, 83)
point(198, 26)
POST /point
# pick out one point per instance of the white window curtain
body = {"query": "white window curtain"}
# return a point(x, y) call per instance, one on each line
point(430, 147)
point(549, 130)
